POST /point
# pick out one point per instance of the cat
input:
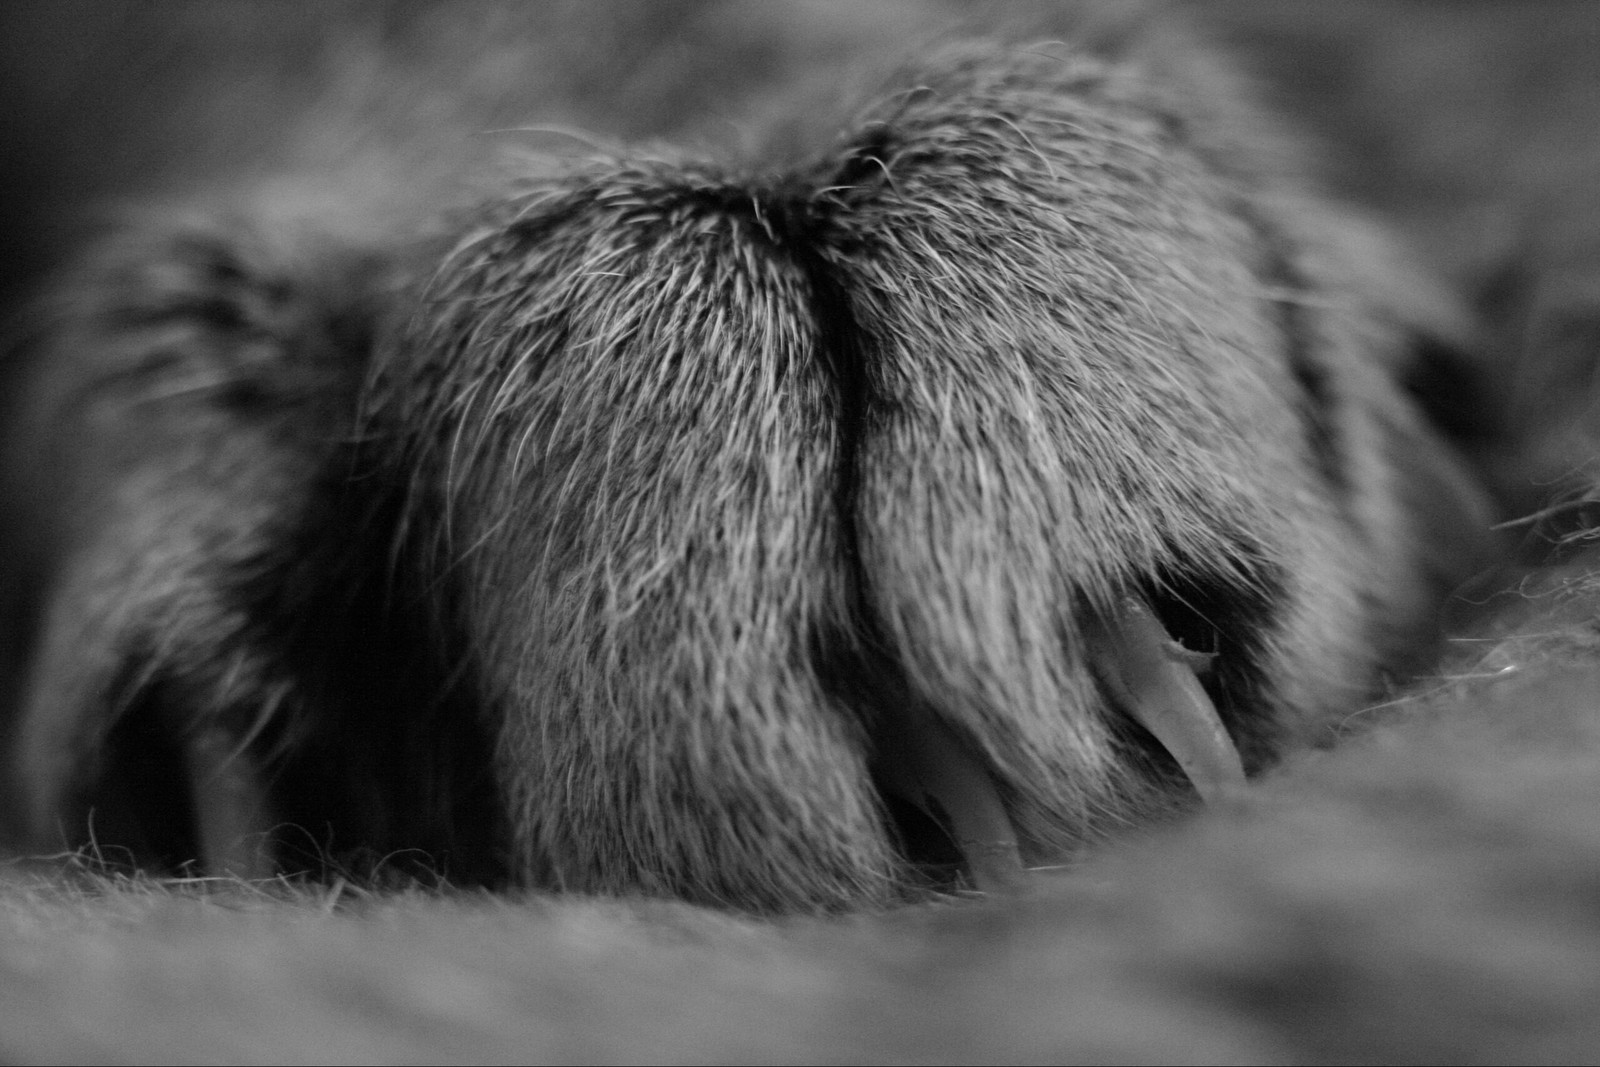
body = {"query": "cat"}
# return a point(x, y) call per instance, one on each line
point(1003, 450)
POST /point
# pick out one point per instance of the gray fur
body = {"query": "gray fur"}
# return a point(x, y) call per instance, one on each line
point(598, 527)
point(295, 474)
point(714, 465)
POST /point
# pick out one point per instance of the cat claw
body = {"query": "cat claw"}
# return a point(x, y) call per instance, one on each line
point(1154, 680)
point(230, 807)
point(1149, 676)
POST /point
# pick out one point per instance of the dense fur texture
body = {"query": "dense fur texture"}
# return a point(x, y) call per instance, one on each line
point(671, 496)
point(784, 471)
point(615, 524)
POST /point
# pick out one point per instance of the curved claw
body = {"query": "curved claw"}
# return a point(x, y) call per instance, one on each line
point(930, 768)
point(1153, 679)
point(1149, 675)
point(230, 808)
